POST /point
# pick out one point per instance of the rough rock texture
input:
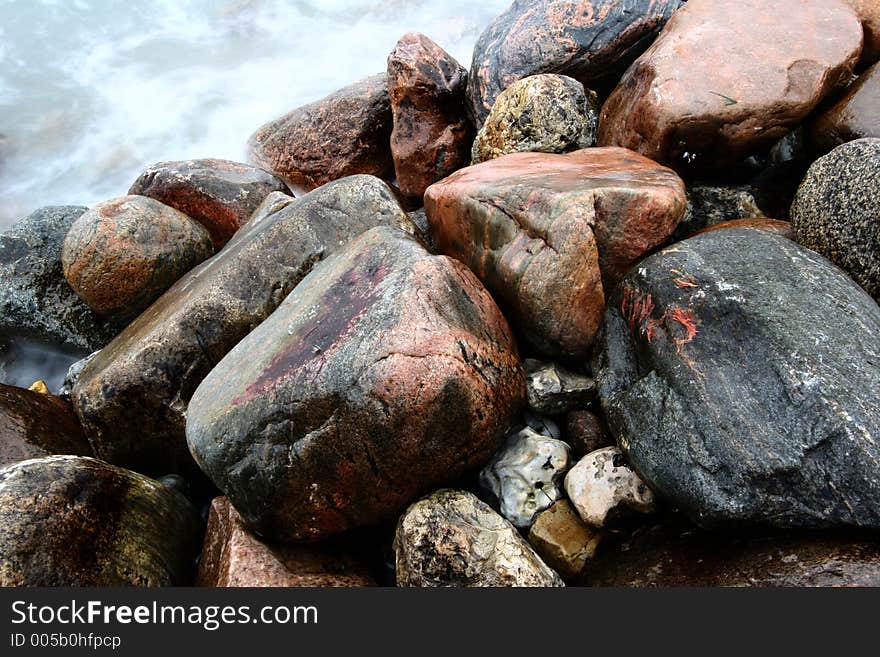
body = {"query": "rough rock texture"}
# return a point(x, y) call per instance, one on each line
point(233, 556)
point(869, 12)
point(219, 194)
point(591, 41)
point(132, 397)
point(34, 297)
point(562, 539)
point(585, 432)
point(745, 397)
point(74, 521)
point(387, 371)
point(121, 255)
point(33, 425)
point(709, 205)
point(836, 211)
point(541, 113)
point(273, 203)
point(854, 116)
point(602, 487)
point(782, 228)
point(728, 77)
point(65, 392)
point(536, 228)
point(525, 476)
point(675, 557)
point(451, 538)
point(552, 390)
point(346, 133)
point(431, 135)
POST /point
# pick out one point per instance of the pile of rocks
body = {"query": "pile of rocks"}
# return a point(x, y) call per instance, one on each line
point(556, 319)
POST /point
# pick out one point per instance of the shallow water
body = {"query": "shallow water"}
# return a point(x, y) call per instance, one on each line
point(92, 91)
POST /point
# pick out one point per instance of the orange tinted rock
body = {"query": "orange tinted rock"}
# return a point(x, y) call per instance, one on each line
point(728, 77)
point(549, 234)
point(33, 425)
point(869, 12)
point(854, 116)
point(586, 432)
point(431, 136)
point(763, 223)
point(219, 194)
point(343, 134)
point(233, 556)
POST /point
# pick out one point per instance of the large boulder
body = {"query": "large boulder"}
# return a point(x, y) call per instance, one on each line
point(121, 255)
point(592, 42)
point(542, 114)
point(33, 425)
point(73, 521)
point(451, 538)
point(233, 556)
point(836, 211)
point(741, 374)
point(431, 135)
point(854, 116)
point(549, 234)
point(727, 78)
point(132, 397)
point(219, 194)
point(385, 372)
point(869, 12)
point(35, 298)
point(346, 133)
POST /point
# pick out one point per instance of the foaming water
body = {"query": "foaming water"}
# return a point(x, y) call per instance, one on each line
point(92, 91)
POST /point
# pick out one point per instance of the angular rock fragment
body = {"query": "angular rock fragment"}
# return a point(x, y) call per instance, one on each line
point(562, 539)
point(552, 390)
point(385, 372)
point(74, 521)
point(537, 228)
point(132, 397)
point(451, 538)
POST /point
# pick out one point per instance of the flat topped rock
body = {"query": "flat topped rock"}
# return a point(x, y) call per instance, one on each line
point(728, 77)
point(549, 234)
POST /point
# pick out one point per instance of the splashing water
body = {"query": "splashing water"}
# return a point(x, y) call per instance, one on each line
point(93, 91)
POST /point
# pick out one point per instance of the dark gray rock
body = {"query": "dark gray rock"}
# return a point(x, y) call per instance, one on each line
point(35, 299)
point(386, 372)
point(710, 205)
point(132, 397)
point(743, 397)
point(836, 211)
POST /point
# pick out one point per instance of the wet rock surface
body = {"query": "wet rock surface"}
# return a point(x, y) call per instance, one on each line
point(541, 113)
point(852, 117)
point(74, 521)
point(586, 432)
point(728, 77)
point(34, 297)
point(121, 255)
point(132, 397)
point(675, 557)
point(550, 234)
point(344, 134)
point(451, 538)
point(836, 210)
point(219, 194)
point(524, 477)
point(589, 41)
point(232, 556)
point(745, 398)
point(775, 226)
point(33, 425)
point(562, 539)
point(387, 371)
point(431, 134)
point(552, 390)
point(709, 205)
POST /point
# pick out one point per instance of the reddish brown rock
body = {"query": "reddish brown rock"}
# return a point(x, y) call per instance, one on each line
point(347, 132)
point(729, 77)
point(33, 425)
point(537, 229)
point(219, 194)
point(763, 223)
point(854, 116)
point(233, 556)
point(592, 42)
point(431, 136)
point(385, 373)
point(586, 433)
point(121, 255)
point(869, 12)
